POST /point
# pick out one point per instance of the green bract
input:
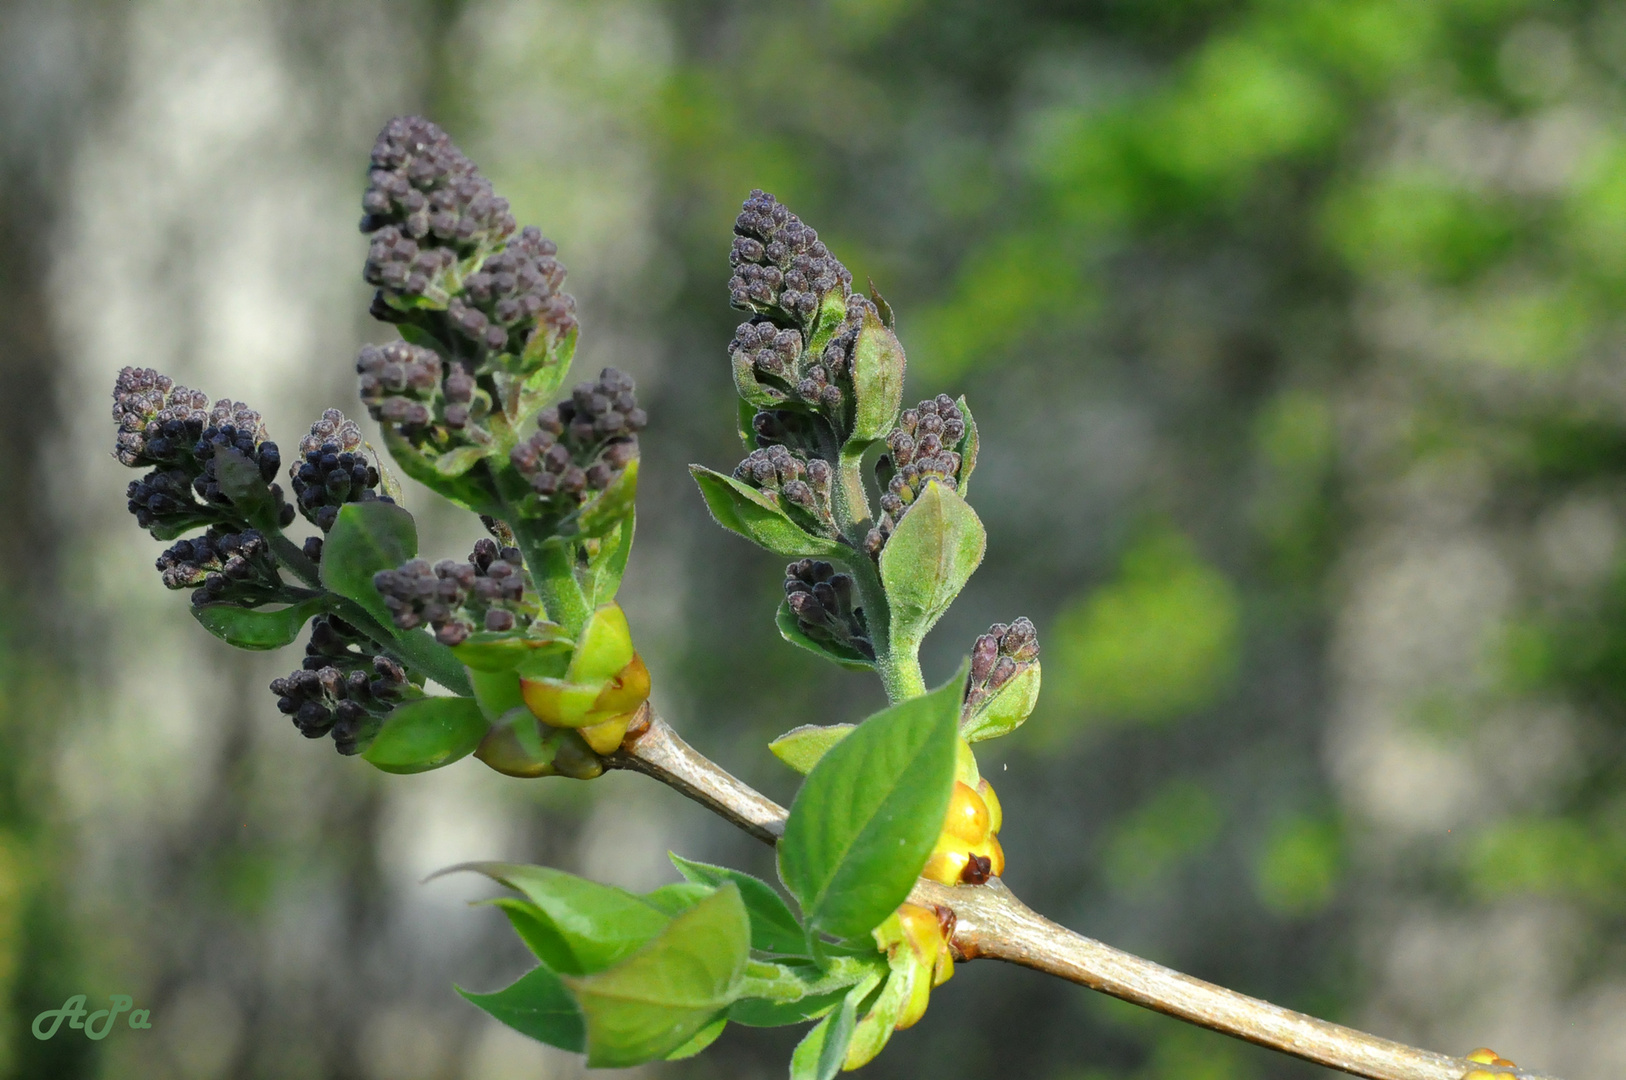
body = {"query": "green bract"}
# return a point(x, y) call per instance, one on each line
point(927, 561)
point(426, 734)
point(257, 629)
point(1006, 710)
point(754, 515)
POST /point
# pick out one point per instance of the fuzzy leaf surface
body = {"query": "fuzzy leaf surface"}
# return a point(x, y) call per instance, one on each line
point(865, 820)
point(743, 509)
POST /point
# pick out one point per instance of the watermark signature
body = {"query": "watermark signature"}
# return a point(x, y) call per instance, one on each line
point(73, 1011)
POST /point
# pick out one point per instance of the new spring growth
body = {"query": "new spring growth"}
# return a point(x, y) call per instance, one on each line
point(800, 485)
point(349, 704)
point(600, 689)
point(489, 592)
point(967, 850)
point(823, 601)
point(223, 567)
point(582, 447)
point(1004, 683)
point(926, 445)
point(334, 468)
point(915, 941)
point(181, 435)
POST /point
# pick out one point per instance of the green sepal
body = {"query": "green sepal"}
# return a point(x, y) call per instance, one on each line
point(877, 372)
point(834, 651)
point(927, 561)
point(548, 364)
point(659, 998)
point(538, 1005)
point(774, 927)
point(743, 509)
point(750, 389)
point(257, 629)
point(427, 734)
point(1006, 709)
point(367, 537)
point(865, 820)
point(802, 747)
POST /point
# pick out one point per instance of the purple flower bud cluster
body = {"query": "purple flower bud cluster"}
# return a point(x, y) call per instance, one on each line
point(584, 443)
point(514, 291)
point(167, 425)
point(798, 481)
point(221, 566)
point(921, 450)
point(486, 593)
point(346, 704)
point(400, 384)
point(333, 469)
point(781, 268)
point(427, 208)
point(998, 657)
point(822, 601)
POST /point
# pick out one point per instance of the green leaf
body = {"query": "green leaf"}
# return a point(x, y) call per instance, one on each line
point(426, 734)
point(703, 1038)
point(472, 490)
point(791, 631)
point(587, 927)
point(1005, 711)
point(259, 630)
point(496, 692)
point(241, 482)
point(743, 509)
point(822, 1052)
point(537, 1005)
point(678, 897)
point(367, 537)
point(493, 652)
point(608, 563)
point(877, 374)
point(774, 927)
point(795, 991)
point(761, 1012)
point(454, 463)
point(660, 997)
point(864, 822)
point(612, 506)
point(927, 561)
point(802, 747)
point(549, 362)
point(967, 448)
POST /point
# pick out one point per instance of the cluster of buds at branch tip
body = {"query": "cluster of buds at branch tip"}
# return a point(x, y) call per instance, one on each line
point(582, 445)
point(486, 593)
point(333, 469)
point(428, 209)
point(1004, 683)
point(514, 291)
point(802, 485)
point(347, 704)
point(968, 851)
point(822, 601)
point(923, 448)
point(177, 431)
point(222, 567)
point(781, 268)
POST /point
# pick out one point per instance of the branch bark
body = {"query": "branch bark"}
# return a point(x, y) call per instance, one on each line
point(990, 922)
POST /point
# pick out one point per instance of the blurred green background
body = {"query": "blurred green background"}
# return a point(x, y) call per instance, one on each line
point(1294, 332)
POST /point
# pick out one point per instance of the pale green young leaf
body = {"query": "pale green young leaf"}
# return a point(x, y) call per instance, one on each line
point(537, 1005)
point(774, 928)
point(367, 537)
point(743, 509)
point(802, 747)
point(791, 631)
point(927, 561)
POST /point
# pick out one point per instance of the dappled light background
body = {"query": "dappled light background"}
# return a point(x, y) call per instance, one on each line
point(1295, 337)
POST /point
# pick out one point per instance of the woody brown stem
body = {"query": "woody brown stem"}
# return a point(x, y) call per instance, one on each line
point(990, 922)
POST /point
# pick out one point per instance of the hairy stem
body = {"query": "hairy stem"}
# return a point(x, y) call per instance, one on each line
point(990, 922)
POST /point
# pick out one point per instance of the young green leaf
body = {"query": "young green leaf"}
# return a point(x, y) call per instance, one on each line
point(611, 506)
point(864, 822)
point(927, 561)
point(968, 446)
point(426, 734)
point(822, 1052)
point(1006, 710)
point(257, 629)
point(774, 928)
point(537, 1005)
point(678, 897)
point(658, 999)
point(587, 927)
point(606, 565)
point(472, 490)
point(367, 537)
point(702, 1039)
point(791, 630)
point(743, 509)
point(802, 747)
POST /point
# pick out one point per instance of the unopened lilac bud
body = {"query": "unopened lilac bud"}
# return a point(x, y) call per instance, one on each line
point(821, 598)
